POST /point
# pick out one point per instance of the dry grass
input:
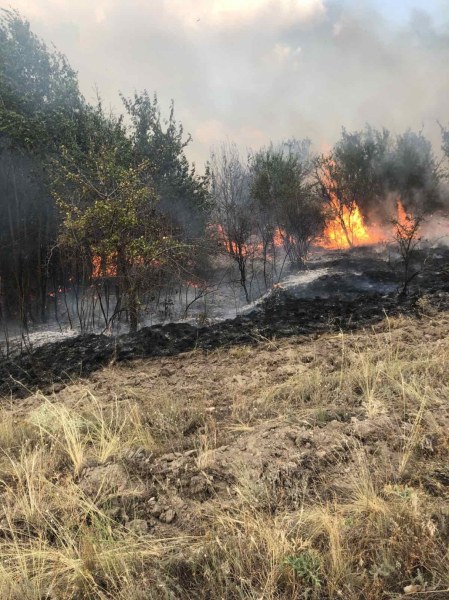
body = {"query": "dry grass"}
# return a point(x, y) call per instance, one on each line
point(207, 443)
point(388, 528)
point(377, 373)
point(380, 541)
point(56, 542)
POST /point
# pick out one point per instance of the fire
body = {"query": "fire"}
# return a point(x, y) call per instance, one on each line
point(107, 267)
point(193, 284)
point(402, 216)
point(253, 248)
point(60, 290)
point(278, 237)
point(349, 229)
point(101, 268)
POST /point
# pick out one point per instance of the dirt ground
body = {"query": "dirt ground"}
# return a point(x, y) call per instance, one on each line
point(291, 425)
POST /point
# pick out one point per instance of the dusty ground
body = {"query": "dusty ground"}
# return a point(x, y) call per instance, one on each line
point(308, 467)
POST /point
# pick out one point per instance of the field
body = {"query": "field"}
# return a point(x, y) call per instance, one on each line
point(311, 467)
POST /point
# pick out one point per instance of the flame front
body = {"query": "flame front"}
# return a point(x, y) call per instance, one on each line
point(350, 229)
point(279, 237)
point(347, 230)
point(347, 227)
point(402, 216)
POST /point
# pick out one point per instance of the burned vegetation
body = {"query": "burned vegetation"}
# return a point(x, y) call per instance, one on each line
point(108, 226)
point(250, 396)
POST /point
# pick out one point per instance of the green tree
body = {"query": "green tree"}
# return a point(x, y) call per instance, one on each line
point(39, 96)
point(413, 173)
point(40, 105)
point(184, 195)
point(110, 213)
point(285, 199)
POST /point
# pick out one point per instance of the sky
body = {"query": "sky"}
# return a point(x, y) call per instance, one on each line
point(252, 71)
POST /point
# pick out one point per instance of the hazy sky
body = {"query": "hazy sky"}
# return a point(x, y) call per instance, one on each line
point(255, 70)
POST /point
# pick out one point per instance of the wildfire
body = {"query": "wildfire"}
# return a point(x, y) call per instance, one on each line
point(402, 216)
point(254, 247)
point(348, 230)
point(60, 290)
point(193, 284)
point(233, 248)
point(351, 229)
point(101, 267)
point(279, 237)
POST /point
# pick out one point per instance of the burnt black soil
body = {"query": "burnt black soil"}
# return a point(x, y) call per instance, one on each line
point(281, 314)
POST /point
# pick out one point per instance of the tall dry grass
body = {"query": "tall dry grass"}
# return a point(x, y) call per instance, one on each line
point(388, 531)
point(56, 542)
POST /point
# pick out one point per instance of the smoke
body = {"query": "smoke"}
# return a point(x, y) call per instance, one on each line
point(270, 70)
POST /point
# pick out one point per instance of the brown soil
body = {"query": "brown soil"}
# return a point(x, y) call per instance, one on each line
point(289, 420)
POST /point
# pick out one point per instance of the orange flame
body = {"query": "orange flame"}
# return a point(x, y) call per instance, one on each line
point(359, 233)
point(347, 227)
point(279, 237)
point(345, 230)
point(254, 248)
point(193, 284)
point(402, 216)
point(349, 230)
point(102, 268)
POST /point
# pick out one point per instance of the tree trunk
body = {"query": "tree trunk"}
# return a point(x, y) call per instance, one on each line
point(133, 310)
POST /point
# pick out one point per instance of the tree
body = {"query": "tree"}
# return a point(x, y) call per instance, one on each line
point(350, 179)
point(264, 211)
point(366, 166)
point(40, 105)
point(44, 121)
point(40, 98)
point(232, 201)
point(110, 213)
point(413, 173)
point(183, 194)
point(407, 237)
point(285, 199)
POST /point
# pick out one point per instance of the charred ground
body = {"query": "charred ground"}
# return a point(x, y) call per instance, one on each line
point(359, 289)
